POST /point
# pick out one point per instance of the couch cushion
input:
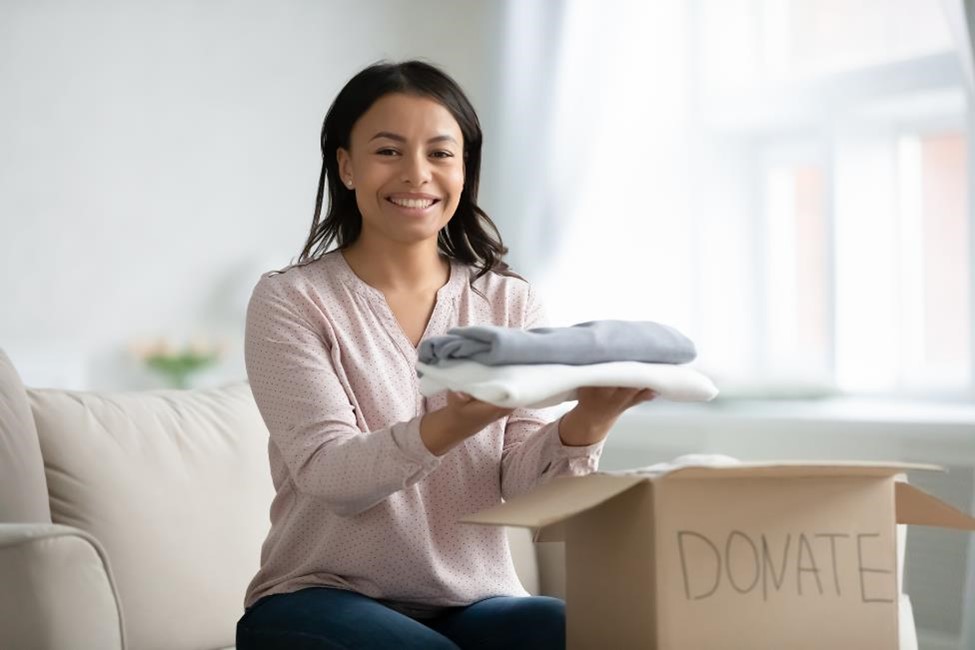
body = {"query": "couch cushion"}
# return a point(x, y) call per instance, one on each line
point(23, 490)
point(176, 487)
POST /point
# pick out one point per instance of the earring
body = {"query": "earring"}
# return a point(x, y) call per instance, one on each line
point(349, 183)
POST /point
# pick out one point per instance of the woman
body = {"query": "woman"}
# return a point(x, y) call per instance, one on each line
point(365, 549)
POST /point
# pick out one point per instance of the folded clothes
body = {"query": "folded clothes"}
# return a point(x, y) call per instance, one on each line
point(592, 342)
point(541, 385)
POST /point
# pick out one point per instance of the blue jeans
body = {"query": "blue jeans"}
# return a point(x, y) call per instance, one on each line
point(321, 618)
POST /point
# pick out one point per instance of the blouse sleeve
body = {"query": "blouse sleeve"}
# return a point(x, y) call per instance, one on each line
point(311, 421)
point(533, 452)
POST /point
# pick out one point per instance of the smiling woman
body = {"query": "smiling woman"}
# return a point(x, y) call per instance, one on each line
point(407, 130)
point(365, 549)
point(408, 180)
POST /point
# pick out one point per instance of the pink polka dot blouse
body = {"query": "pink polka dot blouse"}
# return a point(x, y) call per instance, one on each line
point(361, 503)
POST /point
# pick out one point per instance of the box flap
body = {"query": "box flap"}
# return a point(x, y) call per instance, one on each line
point(915, 506)
point(797, 469)
point(555, 501)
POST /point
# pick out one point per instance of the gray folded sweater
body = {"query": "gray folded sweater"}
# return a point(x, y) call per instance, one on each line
point(597, 341)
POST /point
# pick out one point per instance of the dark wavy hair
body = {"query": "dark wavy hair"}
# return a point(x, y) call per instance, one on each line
point(470, 236)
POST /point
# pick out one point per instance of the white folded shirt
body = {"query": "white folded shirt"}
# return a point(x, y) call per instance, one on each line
point(548, 384)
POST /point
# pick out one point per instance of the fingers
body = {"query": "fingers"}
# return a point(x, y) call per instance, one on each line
point(616, 397)
point(475, 405)
point(645, 395)
point(618, 393)
point(634, 396)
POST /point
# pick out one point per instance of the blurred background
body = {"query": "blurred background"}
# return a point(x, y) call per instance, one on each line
point(786, 181)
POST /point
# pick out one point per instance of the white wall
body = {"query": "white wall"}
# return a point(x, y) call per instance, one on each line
point(156, 157)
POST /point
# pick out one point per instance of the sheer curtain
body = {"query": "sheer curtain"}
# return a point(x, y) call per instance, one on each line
point(597, 157)
point(786, 181)
point(961, 21)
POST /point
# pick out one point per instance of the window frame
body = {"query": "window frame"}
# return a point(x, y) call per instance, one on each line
point(775, 117)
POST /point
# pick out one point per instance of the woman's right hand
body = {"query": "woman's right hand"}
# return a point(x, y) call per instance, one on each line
point(461, 418)
point(472, 413)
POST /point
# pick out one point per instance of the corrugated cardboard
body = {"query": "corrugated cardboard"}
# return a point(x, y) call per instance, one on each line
point(759, 555)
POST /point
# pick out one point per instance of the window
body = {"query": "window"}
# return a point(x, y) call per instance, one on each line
point(796, 274)
point(935, 258)
point(788, 181)
point(851, 123)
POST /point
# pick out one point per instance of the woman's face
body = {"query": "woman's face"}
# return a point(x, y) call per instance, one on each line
point(406, 163)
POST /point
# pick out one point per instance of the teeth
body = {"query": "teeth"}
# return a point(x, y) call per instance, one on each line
point(413, 203)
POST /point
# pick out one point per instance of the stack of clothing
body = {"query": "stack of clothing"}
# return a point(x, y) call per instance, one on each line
point(545, 366)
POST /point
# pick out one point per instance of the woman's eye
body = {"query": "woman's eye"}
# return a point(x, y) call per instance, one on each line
point(393, 152)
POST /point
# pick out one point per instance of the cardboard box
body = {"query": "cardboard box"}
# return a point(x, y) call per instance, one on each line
point(758, 555)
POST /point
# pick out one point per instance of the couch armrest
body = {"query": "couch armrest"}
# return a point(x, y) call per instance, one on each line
point(56, 590)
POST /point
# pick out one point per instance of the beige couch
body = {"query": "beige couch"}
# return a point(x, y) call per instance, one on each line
point(134, 520)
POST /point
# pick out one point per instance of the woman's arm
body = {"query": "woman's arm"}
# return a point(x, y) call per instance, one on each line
point(534, 450)
point(534, 453)
point(292, 371)
point(461, 418)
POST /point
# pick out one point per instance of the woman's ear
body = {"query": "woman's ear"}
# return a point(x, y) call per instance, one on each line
point(345, 167)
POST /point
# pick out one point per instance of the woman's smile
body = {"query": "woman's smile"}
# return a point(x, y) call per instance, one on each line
point(413, 204)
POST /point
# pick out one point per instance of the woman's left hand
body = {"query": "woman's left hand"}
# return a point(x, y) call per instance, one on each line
point(598, 409)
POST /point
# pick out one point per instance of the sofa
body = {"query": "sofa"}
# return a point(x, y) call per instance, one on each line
point(134, 520)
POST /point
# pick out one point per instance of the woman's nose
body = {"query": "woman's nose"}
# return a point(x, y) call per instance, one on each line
point(416, 169)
